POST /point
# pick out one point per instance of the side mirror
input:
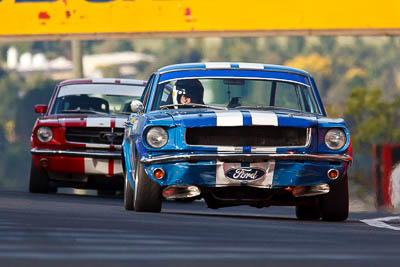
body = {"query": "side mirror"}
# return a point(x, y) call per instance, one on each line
point(41, 109)
point(136, 106)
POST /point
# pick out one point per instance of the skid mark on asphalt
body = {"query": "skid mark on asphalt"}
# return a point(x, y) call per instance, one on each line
point(384, 222)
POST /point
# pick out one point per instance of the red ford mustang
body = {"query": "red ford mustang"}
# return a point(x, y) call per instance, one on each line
point(76, 142)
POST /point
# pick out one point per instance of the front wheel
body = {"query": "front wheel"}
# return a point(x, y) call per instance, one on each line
point(38, 181)
point(147, 196)
point(128, 193)
point(335, 204)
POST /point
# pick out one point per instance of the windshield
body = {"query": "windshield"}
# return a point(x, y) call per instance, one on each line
point(235, 93)
point(96, 98)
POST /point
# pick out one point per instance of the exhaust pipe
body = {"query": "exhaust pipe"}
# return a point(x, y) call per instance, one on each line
point(180, 191)
point(310, 190)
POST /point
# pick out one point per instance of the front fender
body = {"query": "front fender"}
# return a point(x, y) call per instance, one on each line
point(128, 160)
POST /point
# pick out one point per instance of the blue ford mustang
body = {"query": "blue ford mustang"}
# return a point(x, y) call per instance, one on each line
point(236, 134)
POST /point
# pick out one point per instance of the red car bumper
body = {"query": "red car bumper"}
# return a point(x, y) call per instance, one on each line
point(106, 163)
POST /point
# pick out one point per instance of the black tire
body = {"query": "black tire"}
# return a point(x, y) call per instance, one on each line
point(211, 202)
point(147, 196)
point(311, 211)
point(335, 204)
point(38, 181)
point(128, 193)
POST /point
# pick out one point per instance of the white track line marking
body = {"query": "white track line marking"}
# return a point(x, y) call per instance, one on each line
point(381, 222)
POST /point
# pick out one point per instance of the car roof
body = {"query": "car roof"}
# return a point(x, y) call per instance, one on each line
point(232, 65)
point(103, 80)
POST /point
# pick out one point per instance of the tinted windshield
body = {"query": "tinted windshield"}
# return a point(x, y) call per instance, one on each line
point(96, 98)
point(236, 93)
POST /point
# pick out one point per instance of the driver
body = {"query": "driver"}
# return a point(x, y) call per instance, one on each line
point(189, 91)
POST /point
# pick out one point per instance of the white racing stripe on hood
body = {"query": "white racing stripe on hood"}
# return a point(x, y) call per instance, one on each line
point(218, 65)
point(251, 66)
point(232, 118)
point(264, 118)
point(98, 122)
point(103, 80)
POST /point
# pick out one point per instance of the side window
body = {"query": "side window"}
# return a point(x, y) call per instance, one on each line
point(286, 96)
point(166, 97)
point(163, 95)
point(308, 99)
point(146, 90)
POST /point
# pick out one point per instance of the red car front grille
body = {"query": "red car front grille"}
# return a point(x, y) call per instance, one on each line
point(95, 135)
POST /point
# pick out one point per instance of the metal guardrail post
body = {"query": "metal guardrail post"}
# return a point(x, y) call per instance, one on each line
point(77, 57)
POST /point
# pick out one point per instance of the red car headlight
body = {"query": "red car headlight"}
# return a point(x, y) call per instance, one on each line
point(44, 134)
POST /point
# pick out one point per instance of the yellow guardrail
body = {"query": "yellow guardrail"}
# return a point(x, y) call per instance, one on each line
point(93, 18)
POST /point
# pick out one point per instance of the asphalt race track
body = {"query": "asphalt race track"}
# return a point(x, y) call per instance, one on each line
point(73, 230)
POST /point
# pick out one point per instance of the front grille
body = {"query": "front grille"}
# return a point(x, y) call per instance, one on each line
point(267, 136)
point(95, 135)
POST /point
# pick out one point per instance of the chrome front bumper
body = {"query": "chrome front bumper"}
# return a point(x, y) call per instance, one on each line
point(244, 157)
point(77, 153)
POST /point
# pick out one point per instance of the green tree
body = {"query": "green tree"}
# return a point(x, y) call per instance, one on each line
point(296, 45)
point(175, 51)
point(371, 119)
point(10, 85)
point(328, 44)
point(39, 92)
point(239, 49)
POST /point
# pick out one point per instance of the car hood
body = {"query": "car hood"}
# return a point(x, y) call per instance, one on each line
point(84, 120)
point(209, 118)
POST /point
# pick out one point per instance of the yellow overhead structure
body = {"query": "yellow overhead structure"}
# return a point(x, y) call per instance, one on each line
point(90, 19)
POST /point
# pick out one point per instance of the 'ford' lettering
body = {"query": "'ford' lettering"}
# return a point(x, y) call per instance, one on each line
point(245, 174)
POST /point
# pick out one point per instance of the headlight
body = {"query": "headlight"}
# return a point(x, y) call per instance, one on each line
point(44, 134)
point(157, 137)
point(335, 139)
